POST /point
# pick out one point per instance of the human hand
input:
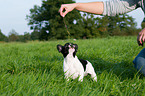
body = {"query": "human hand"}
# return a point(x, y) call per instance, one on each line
point(65, 8)
point(141, 37)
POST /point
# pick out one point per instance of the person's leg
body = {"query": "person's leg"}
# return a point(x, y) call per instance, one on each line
point(139, 62)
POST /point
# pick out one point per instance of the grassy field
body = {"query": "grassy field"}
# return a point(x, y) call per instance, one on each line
point(36, 69)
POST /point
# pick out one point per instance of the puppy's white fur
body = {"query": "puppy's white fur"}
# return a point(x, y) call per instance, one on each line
point(73, 68)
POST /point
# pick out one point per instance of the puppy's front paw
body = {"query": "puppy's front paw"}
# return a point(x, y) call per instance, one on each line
point(95, 79)
point(81, 80)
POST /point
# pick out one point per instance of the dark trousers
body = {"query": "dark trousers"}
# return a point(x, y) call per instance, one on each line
point(139, 62)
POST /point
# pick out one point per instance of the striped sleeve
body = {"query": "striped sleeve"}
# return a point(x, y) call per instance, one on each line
point(116, 7)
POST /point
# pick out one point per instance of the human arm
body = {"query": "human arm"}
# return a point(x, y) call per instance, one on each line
point(92, 7)
point(110, 8)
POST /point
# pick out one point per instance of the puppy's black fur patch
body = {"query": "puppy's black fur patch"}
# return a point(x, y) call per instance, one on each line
point(84, 63)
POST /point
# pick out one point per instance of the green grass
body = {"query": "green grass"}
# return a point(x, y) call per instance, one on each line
point(36, 69)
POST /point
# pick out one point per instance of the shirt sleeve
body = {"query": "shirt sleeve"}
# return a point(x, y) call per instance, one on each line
point(116, 7)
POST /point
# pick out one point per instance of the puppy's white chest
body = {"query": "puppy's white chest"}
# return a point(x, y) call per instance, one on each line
point(72, 65)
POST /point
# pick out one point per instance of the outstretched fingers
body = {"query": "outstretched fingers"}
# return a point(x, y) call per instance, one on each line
point(61, 10)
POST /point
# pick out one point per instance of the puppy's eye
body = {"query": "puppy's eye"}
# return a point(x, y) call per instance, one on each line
point(66, 47)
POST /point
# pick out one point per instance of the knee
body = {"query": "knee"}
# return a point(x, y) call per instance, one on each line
point(139, 64)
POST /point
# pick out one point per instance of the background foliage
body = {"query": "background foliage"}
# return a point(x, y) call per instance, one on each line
point(47, 24)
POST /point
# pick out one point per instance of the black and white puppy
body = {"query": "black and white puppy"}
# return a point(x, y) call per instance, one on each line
point(74, 67)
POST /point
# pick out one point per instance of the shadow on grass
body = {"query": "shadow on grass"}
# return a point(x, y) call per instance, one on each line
point(124, 69)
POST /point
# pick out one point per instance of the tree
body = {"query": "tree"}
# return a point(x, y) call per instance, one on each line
point(117, 25)
point(46, 18)
point(88, 26)
point(35, 35)
point(2, 36)
point(13, 35)
point(27, 36)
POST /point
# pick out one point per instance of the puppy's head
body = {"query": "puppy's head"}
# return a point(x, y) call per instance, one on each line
point(68, 48)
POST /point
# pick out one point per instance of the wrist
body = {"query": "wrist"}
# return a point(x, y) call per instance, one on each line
point(75, 5)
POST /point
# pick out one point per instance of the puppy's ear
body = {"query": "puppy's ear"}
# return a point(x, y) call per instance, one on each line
point(59, 48)
point(76, 47)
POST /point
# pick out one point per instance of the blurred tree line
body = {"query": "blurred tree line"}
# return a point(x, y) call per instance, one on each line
point(47, 24)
